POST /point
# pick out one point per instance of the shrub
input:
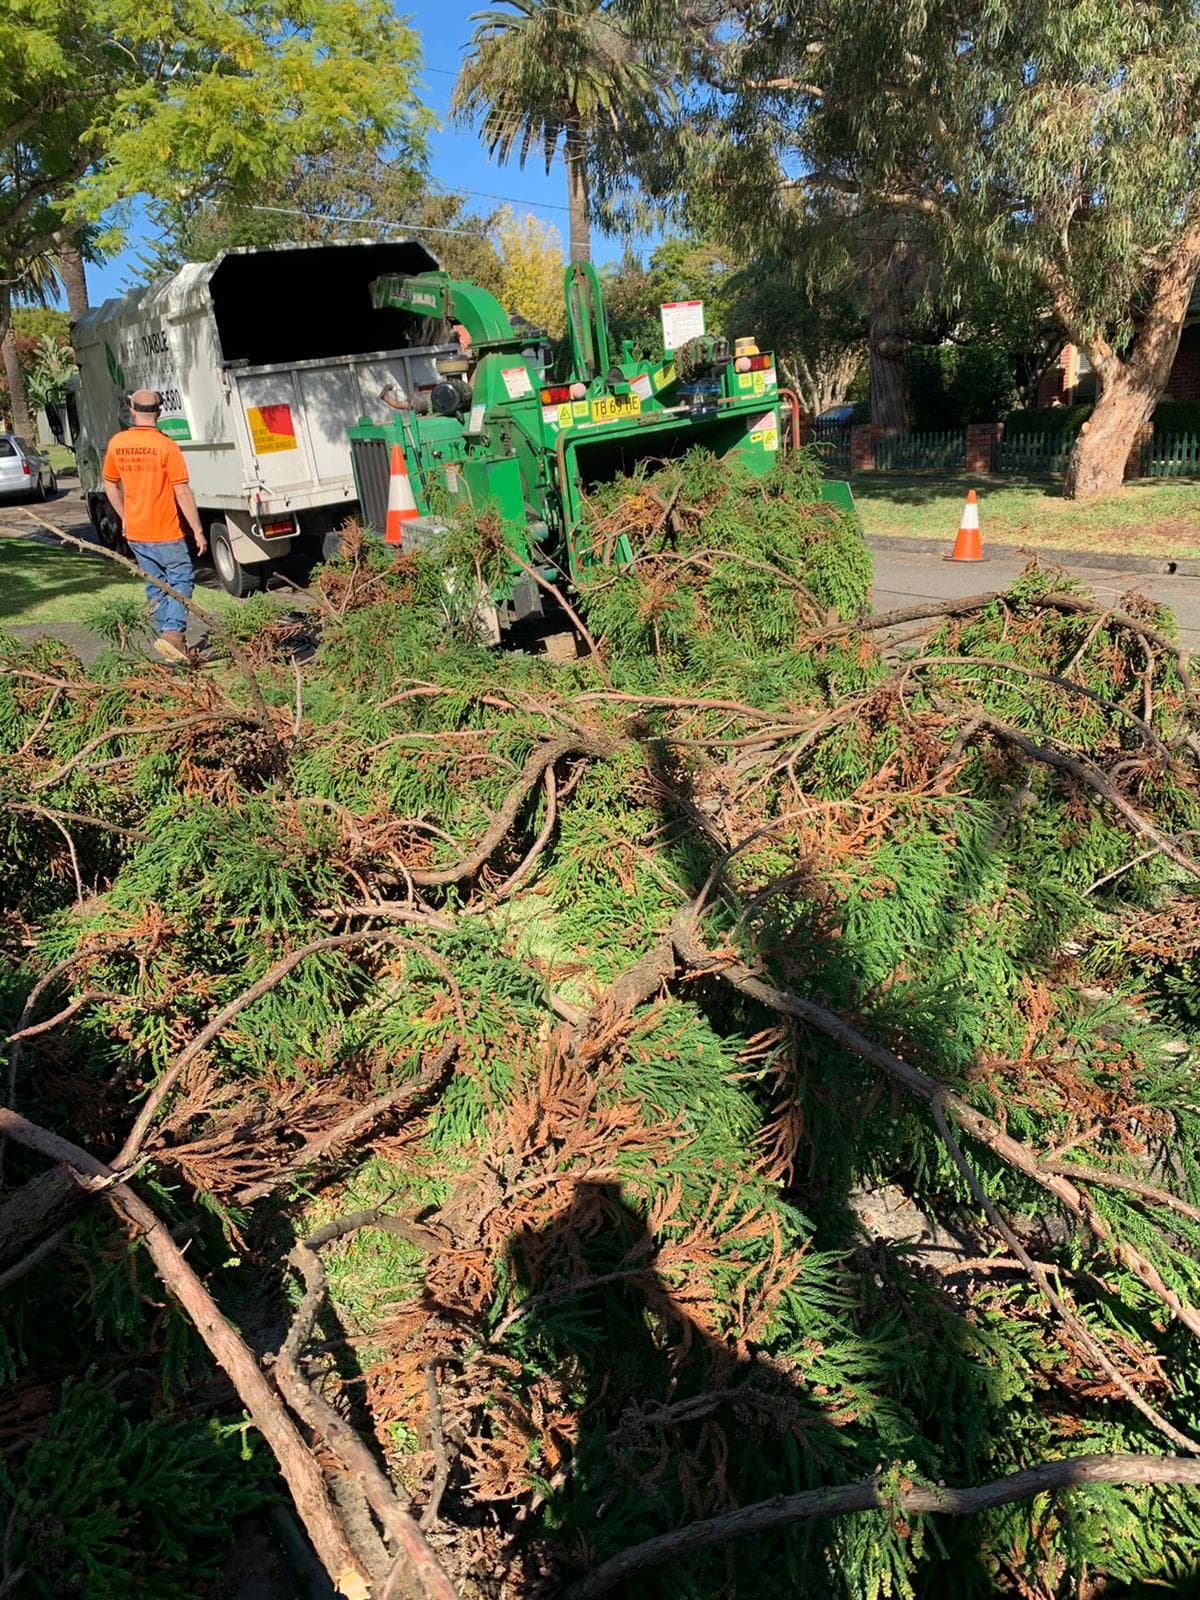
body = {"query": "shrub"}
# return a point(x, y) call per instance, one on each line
point(952, 385)
point(1047, 419)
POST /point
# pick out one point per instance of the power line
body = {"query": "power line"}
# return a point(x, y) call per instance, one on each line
point(511, 199)
point(364, 222)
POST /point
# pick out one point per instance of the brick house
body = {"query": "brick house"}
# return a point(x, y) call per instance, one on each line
point(1070, 381)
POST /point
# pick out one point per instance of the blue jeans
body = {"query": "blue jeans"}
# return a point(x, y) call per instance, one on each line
point(169, 560)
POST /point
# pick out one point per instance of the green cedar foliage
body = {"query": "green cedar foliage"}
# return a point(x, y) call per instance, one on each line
point(668, 1292)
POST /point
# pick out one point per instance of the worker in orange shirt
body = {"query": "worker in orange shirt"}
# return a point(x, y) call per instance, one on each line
point(146, 482)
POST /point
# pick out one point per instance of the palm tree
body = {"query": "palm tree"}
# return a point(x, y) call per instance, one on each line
point(69, 265)
point(551, 71)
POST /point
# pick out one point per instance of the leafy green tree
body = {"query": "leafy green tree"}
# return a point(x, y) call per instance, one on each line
point(682, 267)
point(53, 367)
point(42, 322)
point(547, 74)
point(1053, 142)
point(103, 100)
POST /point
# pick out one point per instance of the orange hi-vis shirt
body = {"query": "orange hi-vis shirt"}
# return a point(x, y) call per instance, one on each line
point(148, 466)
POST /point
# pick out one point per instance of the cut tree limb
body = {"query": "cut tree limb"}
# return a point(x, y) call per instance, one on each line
point(1041, 1277)
point(869, 1494)
point(539, 762)
point(396, 1100)
point(684, 935)
point(1086, 773)
point(413, 1552)
point(300, 1471)
point(280, 970)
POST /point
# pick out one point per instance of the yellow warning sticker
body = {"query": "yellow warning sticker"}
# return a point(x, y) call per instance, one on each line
point(758, 382)
point(664, 376)
point(579, 408)
point(564, 416)
point(271, 428)
point(743, 380)
point(764, 431)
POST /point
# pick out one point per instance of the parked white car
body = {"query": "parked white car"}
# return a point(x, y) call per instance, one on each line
point(25, 470)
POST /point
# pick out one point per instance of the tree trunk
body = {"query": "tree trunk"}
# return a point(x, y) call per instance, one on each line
point(70, 268)
point(1097, 464)
point(824, 384)
point(18, 404)
point(888, 279)
point(30, 1214)
point(1131, 388)
point(580, 231)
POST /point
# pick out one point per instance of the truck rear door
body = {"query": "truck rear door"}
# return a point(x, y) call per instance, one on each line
point(275, 434)
point(295, 418)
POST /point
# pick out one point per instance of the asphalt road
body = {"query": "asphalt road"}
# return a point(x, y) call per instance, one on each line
point(904, 578)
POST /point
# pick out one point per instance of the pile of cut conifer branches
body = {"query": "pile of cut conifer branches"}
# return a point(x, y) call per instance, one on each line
point(479, 1064)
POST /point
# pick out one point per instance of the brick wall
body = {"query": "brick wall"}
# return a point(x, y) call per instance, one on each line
point(1057, 379)
point(1184, 382)
point(981, 441)
point(862, 446)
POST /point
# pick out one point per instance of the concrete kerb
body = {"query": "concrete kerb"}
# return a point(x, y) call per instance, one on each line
point(1103, 560)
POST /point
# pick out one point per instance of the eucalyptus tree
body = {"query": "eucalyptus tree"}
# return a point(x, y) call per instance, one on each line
point(1036, 140)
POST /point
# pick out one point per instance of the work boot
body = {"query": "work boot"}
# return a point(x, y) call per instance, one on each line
point(171, 646)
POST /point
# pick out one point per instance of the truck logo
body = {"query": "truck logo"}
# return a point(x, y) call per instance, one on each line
point(115, 370)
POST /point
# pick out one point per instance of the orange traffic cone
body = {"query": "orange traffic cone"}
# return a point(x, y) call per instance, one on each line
point(402, 505)
point(966, 546)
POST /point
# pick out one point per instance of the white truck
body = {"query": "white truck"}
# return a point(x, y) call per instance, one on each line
point(263, 359)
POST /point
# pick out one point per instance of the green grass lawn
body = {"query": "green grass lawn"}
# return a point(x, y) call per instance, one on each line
point(41, 583)
point(54, 583)
point(1150, 516)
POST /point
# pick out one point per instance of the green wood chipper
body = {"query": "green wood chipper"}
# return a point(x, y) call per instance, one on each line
point(495, 434)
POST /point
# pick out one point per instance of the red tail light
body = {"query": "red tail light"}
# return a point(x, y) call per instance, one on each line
point(558, 396)
point(27, 469)
point(761, 363)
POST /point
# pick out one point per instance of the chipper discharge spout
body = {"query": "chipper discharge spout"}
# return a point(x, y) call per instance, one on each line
point(497, 433)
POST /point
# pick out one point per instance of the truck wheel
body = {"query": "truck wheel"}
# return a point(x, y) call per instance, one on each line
point(331, 544)
point(108, 529)
point(234, 578)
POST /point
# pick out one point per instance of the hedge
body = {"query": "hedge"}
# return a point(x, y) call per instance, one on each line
point(1170, 416)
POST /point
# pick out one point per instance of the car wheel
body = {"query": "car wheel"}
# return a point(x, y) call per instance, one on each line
point(39, 488)
point(53, 481)
point(234, 578)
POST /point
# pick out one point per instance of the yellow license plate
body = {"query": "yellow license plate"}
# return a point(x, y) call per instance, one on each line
point(613, 406)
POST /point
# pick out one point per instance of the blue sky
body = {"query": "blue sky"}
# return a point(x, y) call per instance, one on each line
point(456, 159)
